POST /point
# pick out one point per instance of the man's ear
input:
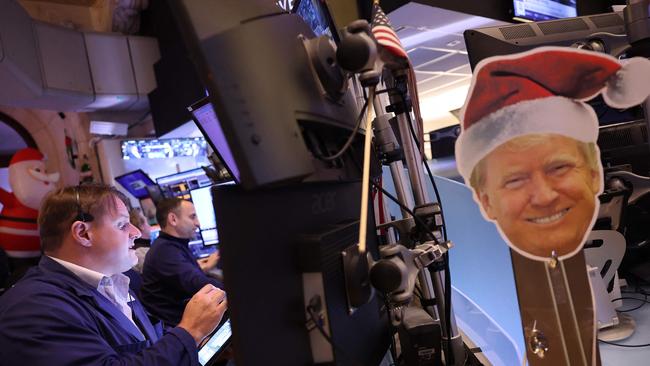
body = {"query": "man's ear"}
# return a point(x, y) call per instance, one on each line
point(172, 219)
point(485, 204)
point(595, 181)
point(80, 233)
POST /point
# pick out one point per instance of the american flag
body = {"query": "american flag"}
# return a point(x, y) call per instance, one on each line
point(384, 33)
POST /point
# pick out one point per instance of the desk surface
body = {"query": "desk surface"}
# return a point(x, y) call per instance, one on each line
point(614, 355)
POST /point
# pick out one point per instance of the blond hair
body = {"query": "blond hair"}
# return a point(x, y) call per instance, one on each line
point(588, 149)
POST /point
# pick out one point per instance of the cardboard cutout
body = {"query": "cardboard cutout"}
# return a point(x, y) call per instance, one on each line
point(527, 146)
point(29, 183)
point(528, 152)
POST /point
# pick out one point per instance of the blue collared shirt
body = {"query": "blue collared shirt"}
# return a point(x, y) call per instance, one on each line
point(115, 287)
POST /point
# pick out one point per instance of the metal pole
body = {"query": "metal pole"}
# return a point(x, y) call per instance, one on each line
point(414, 162)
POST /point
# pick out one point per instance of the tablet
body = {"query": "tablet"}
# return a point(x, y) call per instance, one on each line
point(216, 344)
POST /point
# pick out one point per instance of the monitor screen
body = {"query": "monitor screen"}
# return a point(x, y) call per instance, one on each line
point(180, 184)
point(202, 199)
point(163, 148)
point(207, 121)
point(216, 344)
point(316, 16)
point(136, 183)
point(545, 9)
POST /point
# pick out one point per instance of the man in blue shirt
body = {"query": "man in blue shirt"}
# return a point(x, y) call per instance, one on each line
point(171, 274)
point(75, 307)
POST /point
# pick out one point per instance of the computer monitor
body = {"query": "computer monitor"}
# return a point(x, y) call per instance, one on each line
point(180, 184)
point(202, 199)
point(136, 183)
point(207, 121)
point(163, 148)
point(606, 30)
point(275, 87)
point(316, 14)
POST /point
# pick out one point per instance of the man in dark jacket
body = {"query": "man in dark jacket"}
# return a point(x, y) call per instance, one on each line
point(171, 274)
point(75, 307)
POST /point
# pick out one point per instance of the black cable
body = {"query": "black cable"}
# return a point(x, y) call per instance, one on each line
point(314, 318)
point(444, 231)
point(417, 219)
point(433, 182)
point(643, 302)
point(353, 135)
point(625, 345)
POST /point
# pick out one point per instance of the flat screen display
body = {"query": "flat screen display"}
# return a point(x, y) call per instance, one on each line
point(163, 148)
point(317, 17)
point(207, 121)
point(216, 344)
point(202, 199)
point(136, 183)
point(545, 9)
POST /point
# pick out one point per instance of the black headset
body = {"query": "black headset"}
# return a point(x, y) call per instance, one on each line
point(81, 215)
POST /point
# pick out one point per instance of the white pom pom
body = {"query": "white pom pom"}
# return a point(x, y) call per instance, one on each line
point(631, 84)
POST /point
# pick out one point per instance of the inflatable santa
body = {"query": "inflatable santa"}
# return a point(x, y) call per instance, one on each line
point(29, 183)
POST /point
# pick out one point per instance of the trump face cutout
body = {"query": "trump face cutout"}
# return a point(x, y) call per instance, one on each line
point(541, 191)
point(527, 145)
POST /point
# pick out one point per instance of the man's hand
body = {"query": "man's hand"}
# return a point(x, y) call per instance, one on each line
point(204, 312)
point(210, 262)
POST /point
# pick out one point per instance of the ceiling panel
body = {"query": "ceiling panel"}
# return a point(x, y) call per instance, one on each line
point(439, 82)
point(433, 38)
point(445, 64)
point(419, 55)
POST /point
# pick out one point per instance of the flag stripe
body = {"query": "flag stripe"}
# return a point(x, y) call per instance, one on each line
point(384, 33)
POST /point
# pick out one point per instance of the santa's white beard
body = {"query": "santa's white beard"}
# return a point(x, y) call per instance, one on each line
point(29, 191)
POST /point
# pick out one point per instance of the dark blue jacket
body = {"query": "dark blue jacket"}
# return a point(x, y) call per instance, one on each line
point(170, 277)
point(51, 317)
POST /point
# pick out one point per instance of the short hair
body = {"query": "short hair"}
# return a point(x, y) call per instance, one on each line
point(164, 207)
point(588, 150)
point(60, 209)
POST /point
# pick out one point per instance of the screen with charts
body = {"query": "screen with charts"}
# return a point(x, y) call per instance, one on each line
point(216, 343)
point(180, 184)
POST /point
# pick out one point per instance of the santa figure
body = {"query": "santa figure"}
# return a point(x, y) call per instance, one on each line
point(29, 183)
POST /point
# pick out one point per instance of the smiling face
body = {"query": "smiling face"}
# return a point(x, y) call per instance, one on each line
point(541, 193)
point(30, 183)
point(111, 237)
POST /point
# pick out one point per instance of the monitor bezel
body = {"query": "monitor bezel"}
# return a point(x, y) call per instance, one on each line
point(201, 103)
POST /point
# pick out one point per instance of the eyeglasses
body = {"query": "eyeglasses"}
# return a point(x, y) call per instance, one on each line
point(81, 215)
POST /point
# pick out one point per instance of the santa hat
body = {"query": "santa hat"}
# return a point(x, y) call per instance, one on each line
point(26, 154)
point(541, 91)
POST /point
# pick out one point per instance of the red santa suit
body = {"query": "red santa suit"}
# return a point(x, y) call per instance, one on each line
point(29, 183)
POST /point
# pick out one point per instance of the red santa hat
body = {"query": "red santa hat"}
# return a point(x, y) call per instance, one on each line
point(542, 91)
point(26, 154)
